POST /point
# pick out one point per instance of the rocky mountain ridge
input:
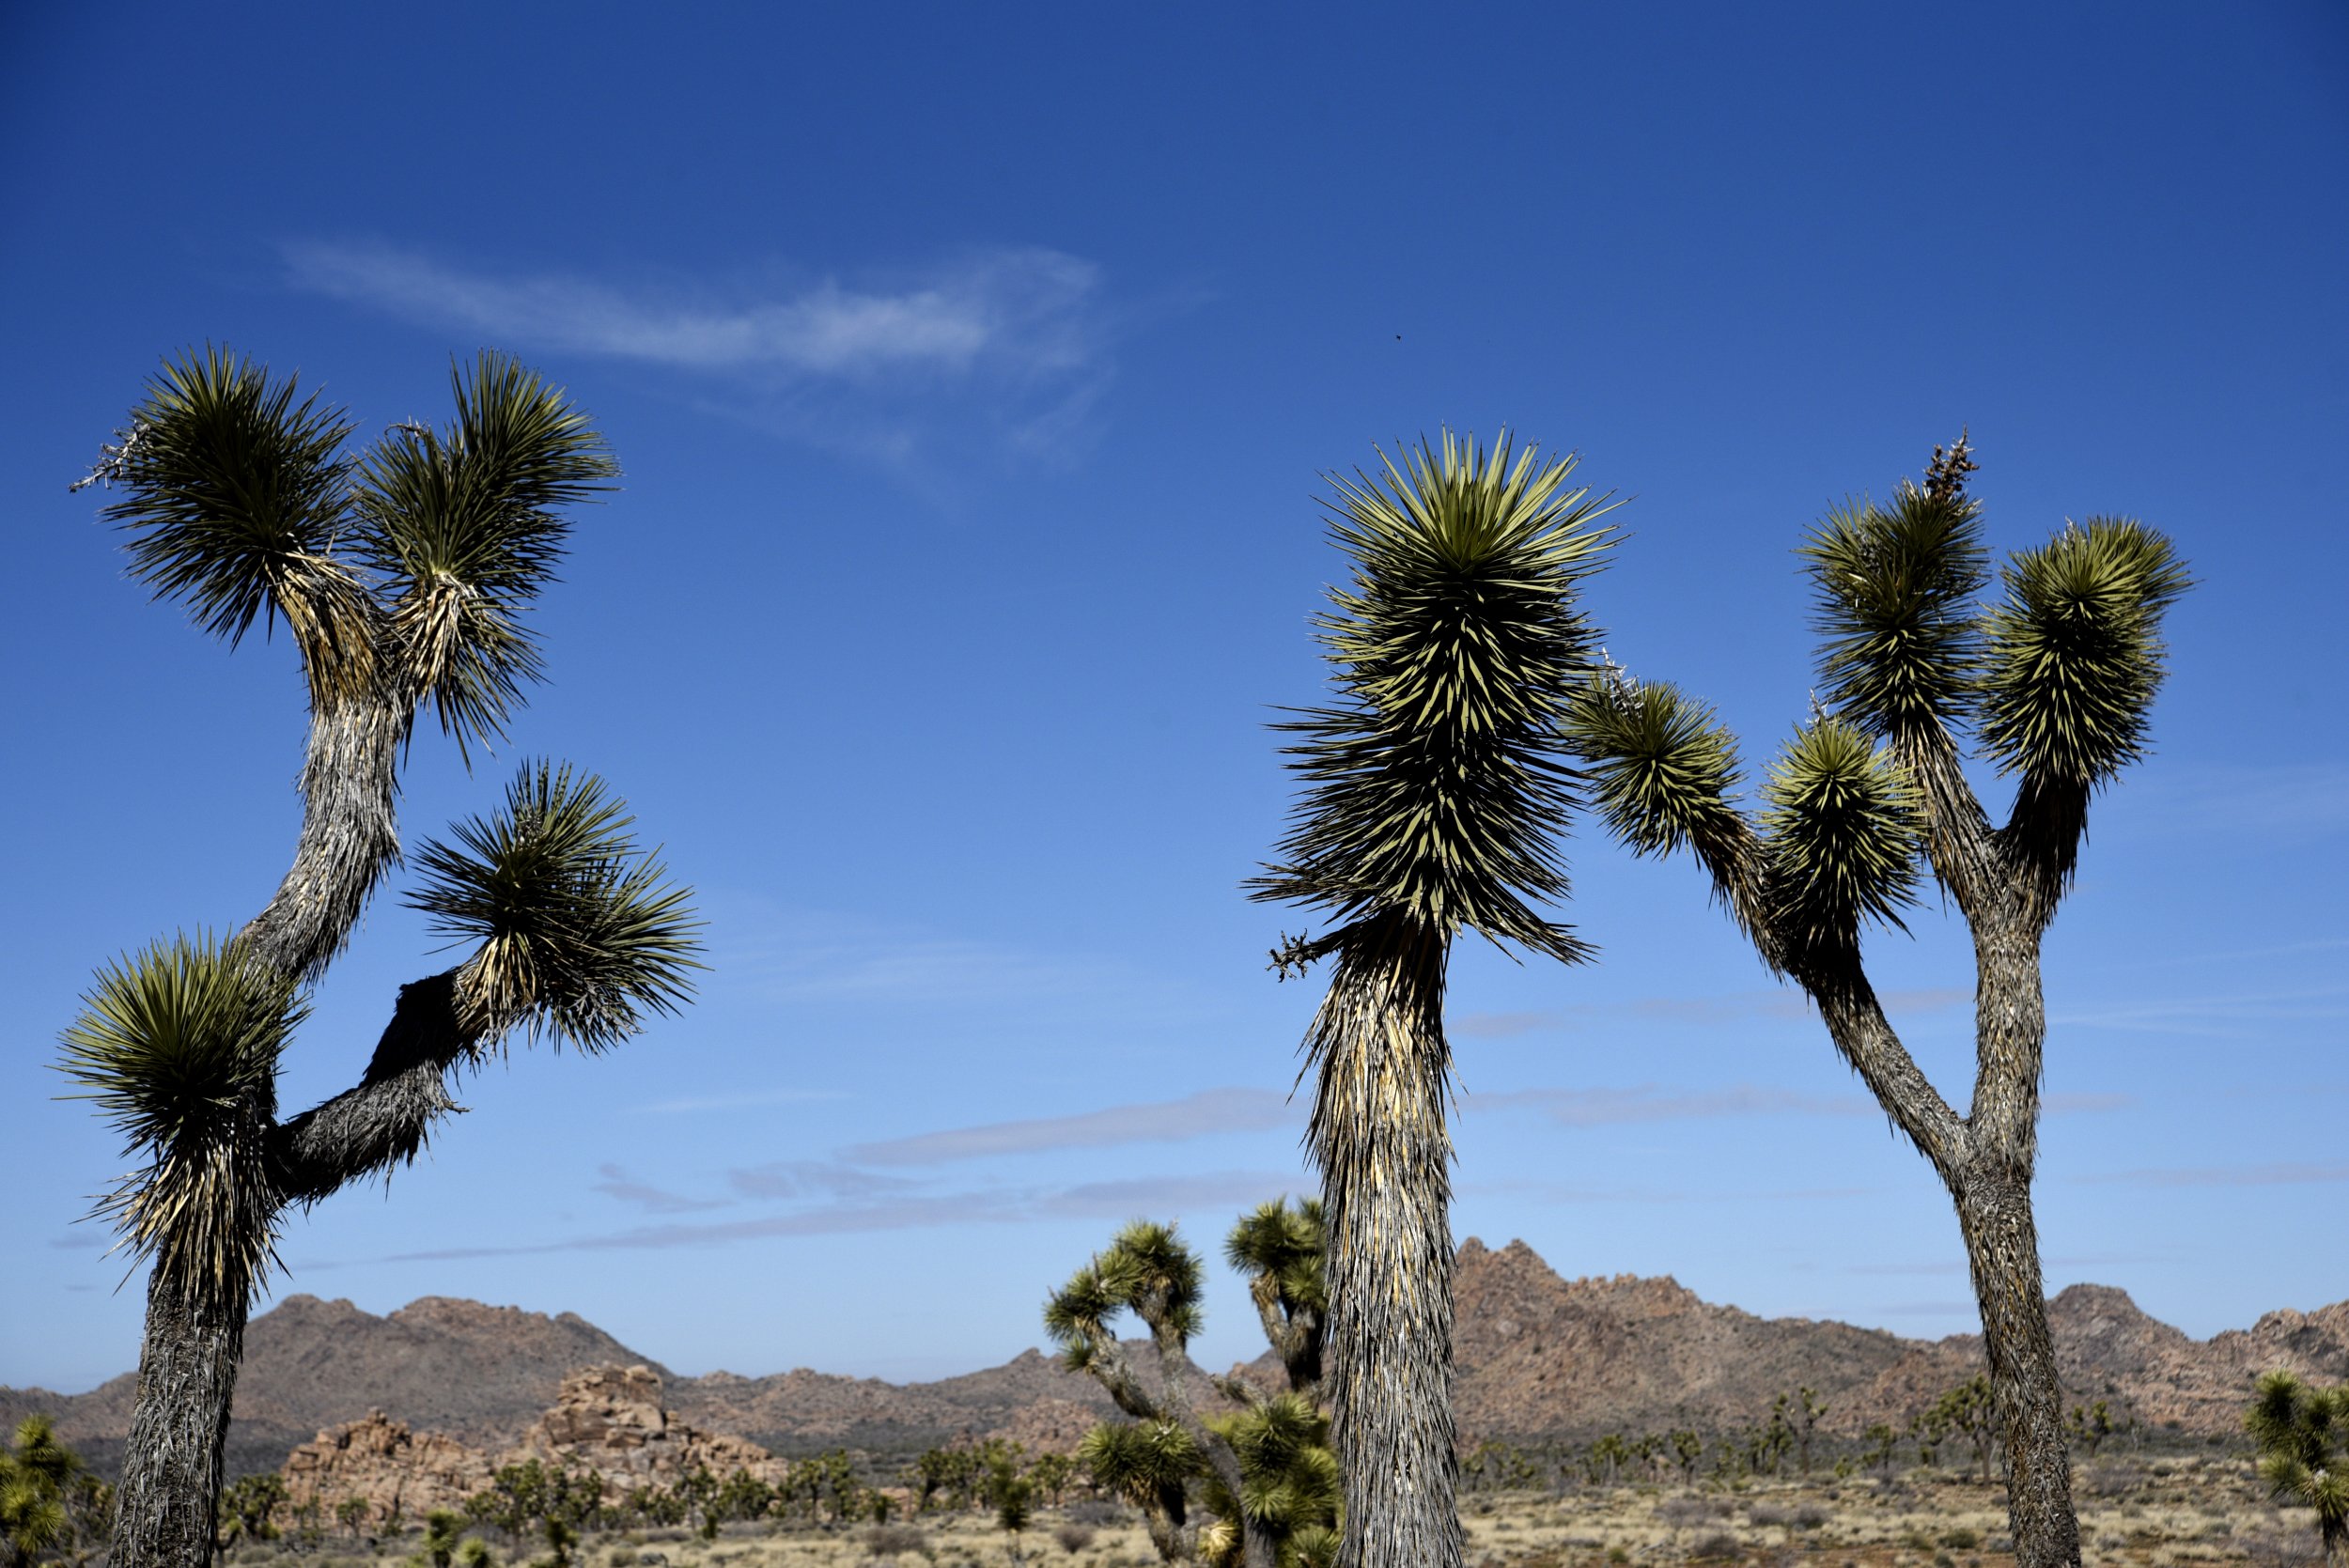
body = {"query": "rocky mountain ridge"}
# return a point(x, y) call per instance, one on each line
point(1539, 1355)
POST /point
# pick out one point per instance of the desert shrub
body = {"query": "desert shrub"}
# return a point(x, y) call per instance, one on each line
point(1961, 1539)
point(1681, 1512)
point(1765, 1515)
point(1095, 1512)
point(620, 1557)
point(1811, 1516)
point(1720, 1544)
point(1073, 1537)
point(894, 1539)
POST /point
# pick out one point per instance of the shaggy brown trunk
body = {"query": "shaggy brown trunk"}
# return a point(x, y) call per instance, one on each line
point(1385, 1152)
point(171, 1475)
point(2002, 1251)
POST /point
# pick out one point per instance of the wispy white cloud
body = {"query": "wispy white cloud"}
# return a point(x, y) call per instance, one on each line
point(2278, 1173)
point(1165, 1197)
point(1648, 1102)
point(815, 1178)
point(616, 1184)
point(1741, 1007)
point(2229, 1016)
point(800, 955)
point(1013, 336)
point(1209, 1111)
point(1022, 309)
point(746, 1099)
point(2209, 799)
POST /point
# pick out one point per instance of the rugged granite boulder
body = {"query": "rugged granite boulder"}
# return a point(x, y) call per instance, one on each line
point(401, 1474)
point(606, 1421)
point(612, 1421)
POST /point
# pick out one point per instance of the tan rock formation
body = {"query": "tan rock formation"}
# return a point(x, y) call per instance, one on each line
point(606, 1421)
point(612, 1421)
point(403, 1475)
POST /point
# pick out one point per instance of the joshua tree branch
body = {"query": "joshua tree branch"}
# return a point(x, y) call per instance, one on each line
point(386, 1118)
point(1856, 1021)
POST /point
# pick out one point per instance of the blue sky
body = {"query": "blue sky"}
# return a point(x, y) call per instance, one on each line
point(973, 369)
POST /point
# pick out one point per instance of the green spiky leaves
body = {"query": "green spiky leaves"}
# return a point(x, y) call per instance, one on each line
point(234, 495)
point(2303, 1438)
point(1843, 835)
point(2075, 651)
point(463, 525)
point(1290, 1477)
point(1433, 789)
point(1147, 1270)
point(234, 490)
point(179, 1045)
point(1285, 1246)
point(1143, 1462)
point(577, 935)
point(1895, 588)
point(1661, 768)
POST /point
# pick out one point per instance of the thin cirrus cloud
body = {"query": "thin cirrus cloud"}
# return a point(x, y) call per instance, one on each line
point(616, 1184)
point(1022, 308)
point(1739, 1008)
point(2278, 1173)
point(1014, 336)
point(1648, 1102)
point(1199, 1115)
point(1170, 1196)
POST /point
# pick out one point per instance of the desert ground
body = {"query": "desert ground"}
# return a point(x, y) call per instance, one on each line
point(2156, 1510)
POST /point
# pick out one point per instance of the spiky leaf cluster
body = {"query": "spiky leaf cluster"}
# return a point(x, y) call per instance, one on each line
point(1661, 768)
point(1285, 1245)
point(1432, 787)
point(2075, 651)
point(463, 526)
point(236, 495)
point(1895, 586)
point(1147, 1270)
point(1844, 831)
point(1288, 1475)
point(577, 935)
point(179, 1045)
point(1145, 1463)
point(2303, 1438)
point(233, 490)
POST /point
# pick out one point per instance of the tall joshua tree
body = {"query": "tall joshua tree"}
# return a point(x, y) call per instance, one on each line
point(1435, 788)
point(400, 573)
point(2053, 682)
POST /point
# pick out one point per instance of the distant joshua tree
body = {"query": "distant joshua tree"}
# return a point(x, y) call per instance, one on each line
point(1268, 1478)
point(2303, 1438)
point(400, 573)
point(1434, 792)
point(2055, 681)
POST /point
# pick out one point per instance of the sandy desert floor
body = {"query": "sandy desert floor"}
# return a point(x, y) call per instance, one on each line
point(2155, 1511)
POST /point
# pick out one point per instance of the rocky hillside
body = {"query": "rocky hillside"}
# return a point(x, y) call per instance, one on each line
point(1539, 1356)
point(608, 1420)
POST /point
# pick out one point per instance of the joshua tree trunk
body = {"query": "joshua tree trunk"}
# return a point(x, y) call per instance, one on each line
point(1380, 1134)
point(2003, 1253)
point(171, 1471)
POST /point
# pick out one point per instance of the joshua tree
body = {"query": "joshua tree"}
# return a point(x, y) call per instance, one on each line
point(1268, 1476)
point(2055, 682)
point(52, 1510)
point(400, 573)
point(1434, 790)
point(1283, 1251)
point(1148, 1271)
point(2303, 1438)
